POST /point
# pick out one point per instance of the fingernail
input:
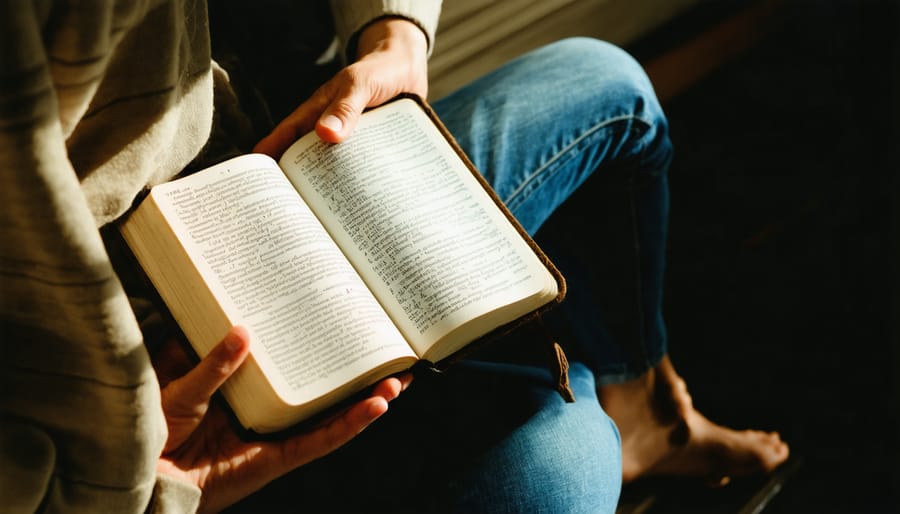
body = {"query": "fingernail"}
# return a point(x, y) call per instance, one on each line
point(233, 344)
point(332, 122)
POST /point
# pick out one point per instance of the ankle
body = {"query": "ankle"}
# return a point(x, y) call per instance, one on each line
point(627, 393)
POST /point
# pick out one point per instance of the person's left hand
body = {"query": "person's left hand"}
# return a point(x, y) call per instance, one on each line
point(203, 449)
point(392, 58)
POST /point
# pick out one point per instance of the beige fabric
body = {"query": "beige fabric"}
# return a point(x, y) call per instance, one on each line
point(98, 100)
point(89, 114)
point(172, 496)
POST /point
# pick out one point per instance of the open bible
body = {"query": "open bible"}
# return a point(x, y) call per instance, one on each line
point(347, 262)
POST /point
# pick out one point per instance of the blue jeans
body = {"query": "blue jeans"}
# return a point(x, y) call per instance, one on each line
point(493, 436)
point(537, 129)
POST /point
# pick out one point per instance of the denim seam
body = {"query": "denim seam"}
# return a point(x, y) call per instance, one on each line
point(567, 150)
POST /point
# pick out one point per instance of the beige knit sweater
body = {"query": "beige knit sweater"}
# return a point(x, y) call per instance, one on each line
point(98, 100)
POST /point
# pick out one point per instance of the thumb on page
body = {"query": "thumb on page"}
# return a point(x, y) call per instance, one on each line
point(342, 114)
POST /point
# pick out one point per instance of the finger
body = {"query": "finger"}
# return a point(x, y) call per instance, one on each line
point(277, 458)
point(390, 388)
point(298, 123)
point(341, 116)
point(328, 437)
point(198, 385)
point(281, 457)
point(301, 121)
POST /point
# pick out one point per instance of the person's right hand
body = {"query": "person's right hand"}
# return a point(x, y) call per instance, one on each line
point(392, 58)
point(202, 448)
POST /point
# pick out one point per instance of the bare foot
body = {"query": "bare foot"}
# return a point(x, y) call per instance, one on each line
point(663, 435)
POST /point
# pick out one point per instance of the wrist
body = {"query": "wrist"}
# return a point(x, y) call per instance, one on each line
point(391, 32)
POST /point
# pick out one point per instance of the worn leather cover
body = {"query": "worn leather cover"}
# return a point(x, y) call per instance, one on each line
point(557, 359)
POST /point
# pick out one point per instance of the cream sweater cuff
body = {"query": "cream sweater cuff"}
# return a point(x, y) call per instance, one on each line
point(351, 16)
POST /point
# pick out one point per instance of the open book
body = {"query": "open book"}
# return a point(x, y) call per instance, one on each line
point(347, 262)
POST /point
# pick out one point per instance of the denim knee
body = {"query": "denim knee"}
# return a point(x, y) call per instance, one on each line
point(608, 81)
point(566, 458)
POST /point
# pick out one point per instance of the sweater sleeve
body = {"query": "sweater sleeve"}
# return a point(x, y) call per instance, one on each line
point(351, 16)
point(81, 424)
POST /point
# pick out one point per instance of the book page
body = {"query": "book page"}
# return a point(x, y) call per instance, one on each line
point(313, 322)
point(421, 230)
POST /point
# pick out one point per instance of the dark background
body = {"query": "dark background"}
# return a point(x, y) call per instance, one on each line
point(783, 296)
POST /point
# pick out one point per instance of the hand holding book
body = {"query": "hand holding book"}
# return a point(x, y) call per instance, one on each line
point(347, 262)
point(207, 452)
